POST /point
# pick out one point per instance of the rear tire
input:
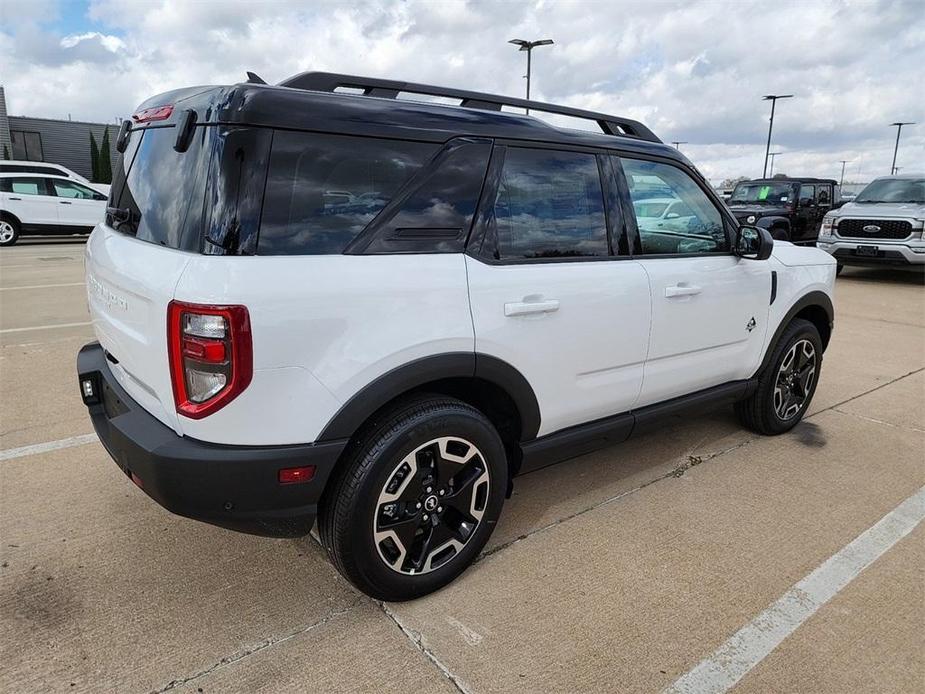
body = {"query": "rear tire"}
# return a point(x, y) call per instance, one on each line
point(9, 231)
point(787, 384)
point(416, 498)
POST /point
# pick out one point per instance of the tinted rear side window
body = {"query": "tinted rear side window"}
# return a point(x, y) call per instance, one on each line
point(323, 190)
point(161, 200)
point(550, 204)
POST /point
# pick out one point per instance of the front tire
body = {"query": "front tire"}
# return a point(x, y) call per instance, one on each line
point(786, 386)
point(417, 498)
point(9, 231)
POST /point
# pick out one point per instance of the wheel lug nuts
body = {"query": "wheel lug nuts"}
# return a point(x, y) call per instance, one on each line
point(440, 509)
point(418, 505)
point(426, 517)
point(430, 489)
point(442, 492)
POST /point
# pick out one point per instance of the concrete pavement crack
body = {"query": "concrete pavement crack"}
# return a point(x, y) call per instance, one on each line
point(257, 648)
point(417, 640)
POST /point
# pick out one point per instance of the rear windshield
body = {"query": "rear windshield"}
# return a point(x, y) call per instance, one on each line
point(157, 194)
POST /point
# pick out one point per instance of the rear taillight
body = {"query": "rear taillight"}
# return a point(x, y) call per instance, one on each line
point(211, 355)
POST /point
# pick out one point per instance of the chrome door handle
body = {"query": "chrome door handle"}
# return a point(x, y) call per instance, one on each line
point(523, 308)
point(682, 290)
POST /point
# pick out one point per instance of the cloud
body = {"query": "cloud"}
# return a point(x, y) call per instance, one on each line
point(691, 71)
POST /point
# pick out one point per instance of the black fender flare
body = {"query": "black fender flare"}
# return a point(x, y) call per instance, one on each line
point(420, 372)
point(816, 298)
point(769, 222)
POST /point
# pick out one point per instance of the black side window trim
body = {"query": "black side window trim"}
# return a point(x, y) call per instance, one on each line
point(483, 242)
point(730, 224)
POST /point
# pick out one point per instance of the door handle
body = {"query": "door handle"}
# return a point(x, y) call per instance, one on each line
point(682, 290)
point(64, 203)
point(523, 308)
point(15, 198)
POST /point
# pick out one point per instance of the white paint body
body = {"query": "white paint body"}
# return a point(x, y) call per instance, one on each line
point(51, 210)
point(593, 339)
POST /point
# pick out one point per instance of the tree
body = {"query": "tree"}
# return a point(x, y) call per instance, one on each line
point(105, 160)
point(731, 182)
point(6, 152)
point(94, 160)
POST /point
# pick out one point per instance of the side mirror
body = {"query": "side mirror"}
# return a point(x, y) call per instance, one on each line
point(672, 215)
point(753, 243)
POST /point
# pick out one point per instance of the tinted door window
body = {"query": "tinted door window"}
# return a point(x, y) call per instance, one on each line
point(691, 224)
point(807, 193)
point(550, 205)
point(323, 190)
point(69, 189)
point(437, 215)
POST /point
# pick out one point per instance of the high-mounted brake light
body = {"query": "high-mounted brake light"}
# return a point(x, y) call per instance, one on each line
point(211, 355)
point(154, 113)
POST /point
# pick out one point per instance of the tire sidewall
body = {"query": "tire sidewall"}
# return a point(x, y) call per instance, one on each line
point(388, 583)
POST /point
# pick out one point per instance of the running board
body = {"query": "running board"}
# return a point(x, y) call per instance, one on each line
point(585, 438)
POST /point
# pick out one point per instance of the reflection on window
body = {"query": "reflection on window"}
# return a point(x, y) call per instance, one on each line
point(673, 214)
point(550, 205)
point(23, 186)
point(436, 217)
point(322, 190)
point(807, 193)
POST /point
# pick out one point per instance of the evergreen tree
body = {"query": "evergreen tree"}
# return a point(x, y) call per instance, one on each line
point(105, 159)
point(6, 152)
point(94, 160)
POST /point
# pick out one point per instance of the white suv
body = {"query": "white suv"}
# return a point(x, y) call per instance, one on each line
point(32, 204)
point(376, 312)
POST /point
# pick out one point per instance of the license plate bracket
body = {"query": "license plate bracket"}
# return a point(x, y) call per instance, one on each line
point(868, 251)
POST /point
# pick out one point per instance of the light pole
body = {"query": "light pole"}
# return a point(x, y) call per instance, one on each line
point(677, 144)
point(843, 162)
point(528, 46)
point(899, 129)
point(772, 155)
point(767, 151)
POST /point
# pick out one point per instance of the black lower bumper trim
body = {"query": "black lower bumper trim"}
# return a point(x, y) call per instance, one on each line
point(884, 257)
point(235, 487)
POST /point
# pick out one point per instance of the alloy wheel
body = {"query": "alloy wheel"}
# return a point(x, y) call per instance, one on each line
point(431, 505)
point(794, 379)
point(6, 232)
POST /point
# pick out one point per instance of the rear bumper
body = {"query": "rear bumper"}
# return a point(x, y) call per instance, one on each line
point(234, 487)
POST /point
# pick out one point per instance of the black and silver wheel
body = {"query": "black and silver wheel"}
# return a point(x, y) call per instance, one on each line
point(795, 379)
point(9, 231)
point(416, 500)
point(787, 384)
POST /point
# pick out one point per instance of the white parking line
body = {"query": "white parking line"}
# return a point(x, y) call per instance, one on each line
point(44, 327)
point(42, 286)
point(37, 448)
point(754, 642)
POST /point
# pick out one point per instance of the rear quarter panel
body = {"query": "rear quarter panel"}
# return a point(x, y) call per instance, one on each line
point(323, 328)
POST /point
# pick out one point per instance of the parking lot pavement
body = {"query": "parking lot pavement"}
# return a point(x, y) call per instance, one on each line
point(617, 571)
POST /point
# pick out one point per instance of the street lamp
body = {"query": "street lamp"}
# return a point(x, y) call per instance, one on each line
point(773, 99)
point(899, 129)
point(528, 46)
point(772, 155)
point(677, 144)
point(843, 162)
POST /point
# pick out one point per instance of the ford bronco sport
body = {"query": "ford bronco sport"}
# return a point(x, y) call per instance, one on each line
point(325, 300)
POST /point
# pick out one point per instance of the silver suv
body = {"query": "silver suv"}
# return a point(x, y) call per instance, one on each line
point(882, 226)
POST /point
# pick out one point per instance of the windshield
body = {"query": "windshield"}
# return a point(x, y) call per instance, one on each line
point(894, 190)
point(762, 193)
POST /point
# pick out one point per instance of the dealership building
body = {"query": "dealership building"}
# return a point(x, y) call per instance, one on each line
point(64, 142)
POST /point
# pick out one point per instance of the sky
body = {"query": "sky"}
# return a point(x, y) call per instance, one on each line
point(692, 71)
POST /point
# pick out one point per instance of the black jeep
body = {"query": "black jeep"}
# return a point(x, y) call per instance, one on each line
point(790, 208)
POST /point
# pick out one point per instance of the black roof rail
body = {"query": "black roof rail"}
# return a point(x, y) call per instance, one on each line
point(389, 89)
